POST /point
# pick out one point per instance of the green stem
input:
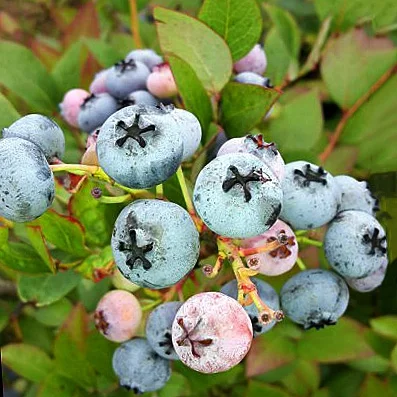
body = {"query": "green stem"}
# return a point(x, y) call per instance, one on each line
point(115, 199)
point(160, 191)
point(185, 191)
point(309, 241)
point(300, 263)
point(151, 305)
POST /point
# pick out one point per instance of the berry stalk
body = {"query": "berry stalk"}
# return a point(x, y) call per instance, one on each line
point(135, 24)
point(309, 241)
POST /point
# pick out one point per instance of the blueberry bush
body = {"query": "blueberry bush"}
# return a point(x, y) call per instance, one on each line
point(152, 239)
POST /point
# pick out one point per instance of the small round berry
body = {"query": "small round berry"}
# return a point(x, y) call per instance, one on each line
point(98, 85)
point(142, 97)
point(255, 61)
point(161, 82)
point(139, 368)
point(118, 315)
point(211, 332)
point(314, 298)
point(370, 282)
point(147, 56)
point(253, 78)
point(120, 282)
point(159, 328)
point(278, 261)
point(355, 244)
point(70, 105)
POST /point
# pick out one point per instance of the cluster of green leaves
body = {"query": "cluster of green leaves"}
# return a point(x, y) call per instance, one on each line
point(334, 67)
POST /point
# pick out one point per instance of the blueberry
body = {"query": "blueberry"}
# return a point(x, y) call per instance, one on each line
point(370, 282)
point(161, 82)
point(125, 77)
point(314, 298)
point(40, 130)
point(70, 105)
point(142, 97)
point(254, 61)
point(97, 85)
point(146, 56)
point(253, 78)
point(237, 195)
point(140, 146)
point(155, 243)
point(266, 293)
point(355, 244)
point(27, 186)
point(139, 368)
point(311, 196)
point(159, 328)
point(95, 110)
point(356, 195)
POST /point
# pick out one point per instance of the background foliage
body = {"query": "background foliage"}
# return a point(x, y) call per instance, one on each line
point(334, 67)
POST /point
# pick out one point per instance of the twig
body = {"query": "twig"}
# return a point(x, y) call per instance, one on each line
point(135, 24)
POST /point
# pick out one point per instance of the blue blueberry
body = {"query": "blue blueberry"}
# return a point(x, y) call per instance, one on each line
point(314, 298)
point(95, 110)
point(140, 146)
point(147, 56)
point(125, 77)
point(237, 195)
point(40, 130)
point(355, 244)
point(139, 368)
point(356, 195)
point(142, 97)
point(311, 196)
point(159, 329)
point(253, 78)
point(27, 186)
point(266, 293)
point(155, 243)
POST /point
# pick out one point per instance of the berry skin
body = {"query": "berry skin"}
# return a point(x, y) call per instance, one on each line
point(40, 130)
point(356, 195)
point(255, 61)
point(355, 244)
point(370, 282)
point(146, 56)
point(266, 293)
point(98, 85)
point(70, 105)
point(155, 243)
point(118, 315)
point(314, 298)
point(211, 332)
point(237, 195)
point(139, 368)
point(140, 146)
point(125, 77)
point(275, 262)
point(161, 82)
point(253, 78)
point(159, 328)
point(27, 186)
point(311, 196)
point(95, 110)
point(142, 97)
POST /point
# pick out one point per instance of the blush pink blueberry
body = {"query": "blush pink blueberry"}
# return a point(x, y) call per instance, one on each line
point(98, 84)
point(211, 332)
point(255, 61)
point(118, 315)
point(275, 262)
point(70, 105)
point(161, 82)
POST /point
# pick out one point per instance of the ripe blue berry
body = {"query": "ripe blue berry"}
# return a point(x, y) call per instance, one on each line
point(314, 298)
point(146, 56)
point(139, 368)
point(159, 329)
point(27, 187)
point(355, 244)
point(125, 77)
point(311, 196)
point(140, 146)
point(237, 195)
point(266, 293)
point(40, 130)
point(142, 97)
point(253, 78)
point(95, 110)
point(155, 243)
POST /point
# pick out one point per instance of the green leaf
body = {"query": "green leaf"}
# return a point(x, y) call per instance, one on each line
point(22, 258)
point(104, 53)
point(243, 106)
point(5, 311)
point(345, 383)
point(56, 385)
point(291, 131)
point(304, 379)
point(374, 386)
point(8, 113)
point(97, 266)
point(192, 91)
point(341, 342)
point(371, 364)
point(36, 334)
point(385, 326)
point(90, 293)
point(239, 22)
point(55, 314)
point(394, 358)
point(177, 386)
point(27, 361)
point(353, 62)
point(341, 160)
point(196, 44)
point(23, 74)
point(65, 232)
point(38, 242)
point(258, 389)
point(3, 235)
point(47, 289)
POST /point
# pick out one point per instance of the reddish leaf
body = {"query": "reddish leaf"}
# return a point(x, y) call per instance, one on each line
point(48, 55)
point(90, 67)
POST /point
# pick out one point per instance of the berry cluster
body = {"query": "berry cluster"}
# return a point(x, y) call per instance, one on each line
point(256, 207)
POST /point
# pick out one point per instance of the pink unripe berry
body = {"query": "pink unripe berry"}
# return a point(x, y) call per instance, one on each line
point(118, 315)
point(98, 84)
point(211, 332)
point(70, 105)
point(255, 61)
point(275, 262)
point(161, 82)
